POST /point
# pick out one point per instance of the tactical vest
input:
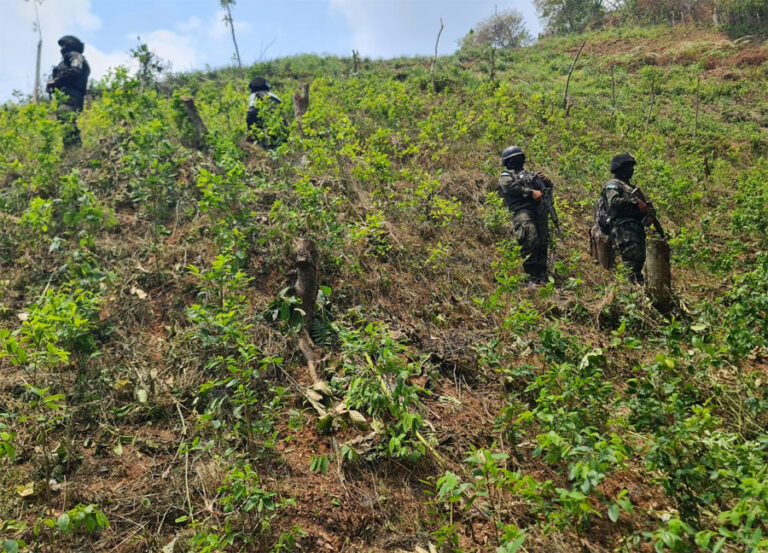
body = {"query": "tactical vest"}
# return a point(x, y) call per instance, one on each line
point(74, 85)
point(526, 179)
point(624, 190)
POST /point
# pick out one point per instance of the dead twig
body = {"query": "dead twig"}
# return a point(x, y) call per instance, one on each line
point(186, 464)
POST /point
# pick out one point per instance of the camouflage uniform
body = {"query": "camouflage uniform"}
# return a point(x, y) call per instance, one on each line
point(627, 225)
point(530, 219)
point(260, 101)
point(71, 78)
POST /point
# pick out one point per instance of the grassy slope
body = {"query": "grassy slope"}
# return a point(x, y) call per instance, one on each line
point(392, 181)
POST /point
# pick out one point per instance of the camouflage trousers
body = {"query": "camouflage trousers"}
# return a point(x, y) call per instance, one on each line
point(629, 240)
point(67, 116)
point(532, 233)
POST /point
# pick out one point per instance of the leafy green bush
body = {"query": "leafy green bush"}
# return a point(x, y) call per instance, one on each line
point(746, 318)
point(376, 378)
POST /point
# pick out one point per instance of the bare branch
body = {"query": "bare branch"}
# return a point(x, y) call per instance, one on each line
point(263, 51)
point(432, 66)
point(568, 80)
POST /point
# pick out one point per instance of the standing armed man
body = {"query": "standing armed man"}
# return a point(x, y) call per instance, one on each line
point(628, 214)
point(71, 78)
point(524, 193)
point(260, 105)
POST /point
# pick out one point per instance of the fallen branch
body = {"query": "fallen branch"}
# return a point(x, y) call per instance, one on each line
point(186, 465)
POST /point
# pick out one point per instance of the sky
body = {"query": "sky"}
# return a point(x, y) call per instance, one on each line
point(191, 34)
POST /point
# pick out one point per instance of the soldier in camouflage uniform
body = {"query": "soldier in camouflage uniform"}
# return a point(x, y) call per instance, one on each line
point(260, 103)
point(521, 191)
point(627, 216)
point(71, 78)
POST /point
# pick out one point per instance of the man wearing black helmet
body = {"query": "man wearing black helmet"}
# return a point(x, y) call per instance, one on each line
point(627, 215)
point(260, 104)
point(522, 192)
point(71, 78)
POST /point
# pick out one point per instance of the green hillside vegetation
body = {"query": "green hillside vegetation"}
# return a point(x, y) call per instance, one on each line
point(152, 388)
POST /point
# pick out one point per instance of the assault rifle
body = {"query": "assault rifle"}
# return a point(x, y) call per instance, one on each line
point(549, 201)
point(651, 215)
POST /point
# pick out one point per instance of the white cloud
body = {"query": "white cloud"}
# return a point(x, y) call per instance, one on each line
point(18, 40)
point(173, 47)
point(181, 47)
point(190, 25)
point(218, 29)
point(60, 15)
point(377, 27)
point(388, 28)
point(100, 62)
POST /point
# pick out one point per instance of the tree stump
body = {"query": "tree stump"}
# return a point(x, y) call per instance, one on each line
point(658, 274)
point(301, 104)
point(306, 287)
point(198, 129)
point(601, 248)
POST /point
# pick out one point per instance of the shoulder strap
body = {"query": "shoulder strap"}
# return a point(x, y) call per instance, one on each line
point(75, 60)
point(614, 184)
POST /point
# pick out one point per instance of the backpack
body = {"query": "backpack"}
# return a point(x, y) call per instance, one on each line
point(601, 215)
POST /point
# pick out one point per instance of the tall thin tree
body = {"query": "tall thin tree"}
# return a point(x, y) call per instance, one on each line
point(36, 27)
point(432, 66)
point(227, 4)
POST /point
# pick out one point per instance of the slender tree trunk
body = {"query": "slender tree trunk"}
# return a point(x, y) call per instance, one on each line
point(234, 40)
point(570, 71)
point(36, 94)
point(696, 120)
point(432, 66)
point(493, 64)
point(652, 102)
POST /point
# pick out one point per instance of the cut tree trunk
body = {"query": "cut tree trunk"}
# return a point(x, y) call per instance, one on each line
point(199, 130)
point(306, 286)
point(301, 104)
point(659, 274)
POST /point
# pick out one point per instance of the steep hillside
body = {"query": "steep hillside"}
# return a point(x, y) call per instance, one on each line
point(153, 375)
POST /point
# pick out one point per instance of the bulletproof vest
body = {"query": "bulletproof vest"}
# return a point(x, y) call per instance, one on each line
point(73, 72)
point(522, 178)
point(625, 191)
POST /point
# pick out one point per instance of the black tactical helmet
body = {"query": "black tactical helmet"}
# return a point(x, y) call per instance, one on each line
point(510, 152)
point(620, 161)
point(71, 43)
point(258, 84)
